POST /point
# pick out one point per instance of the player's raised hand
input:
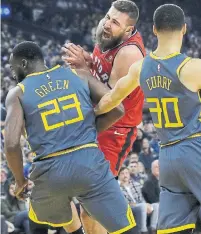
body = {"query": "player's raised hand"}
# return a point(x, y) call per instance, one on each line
point(87, 57)
point(74, 56)
point(21, 191)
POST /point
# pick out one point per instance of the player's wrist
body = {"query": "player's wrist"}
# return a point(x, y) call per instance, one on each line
point(21, 181)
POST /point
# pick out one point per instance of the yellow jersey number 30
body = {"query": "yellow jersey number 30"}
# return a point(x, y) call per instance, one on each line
point(56, 110)
point(161, 107)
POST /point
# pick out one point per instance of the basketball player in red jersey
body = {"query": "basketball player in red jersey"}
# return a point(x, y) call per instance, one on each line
point(119, 45)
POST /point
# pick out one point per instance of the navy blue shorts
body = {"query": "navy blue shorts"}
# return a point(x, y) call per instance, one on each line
point(83, 174)
point(180, 181)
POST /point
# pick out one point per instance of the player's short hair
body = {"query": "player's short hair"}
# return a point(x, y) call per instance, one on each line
point(129, 7)
point(169, 17)
point(28, 50)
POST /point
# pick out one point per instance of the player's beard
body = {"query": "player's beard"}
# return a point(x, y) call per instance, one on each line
point(109, 43)
point(20, 76)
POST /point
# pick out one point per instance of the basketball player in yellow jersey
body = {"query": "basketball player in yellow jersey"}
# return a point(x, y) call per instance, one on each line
point(171, 82)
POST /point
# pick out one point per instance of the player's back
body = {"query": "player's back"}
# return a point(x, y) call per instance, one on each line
point(58, 111)
point(175, 109)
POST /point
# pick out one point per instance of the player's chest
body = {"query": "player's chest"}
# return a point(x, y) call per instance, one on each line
point(102, 67)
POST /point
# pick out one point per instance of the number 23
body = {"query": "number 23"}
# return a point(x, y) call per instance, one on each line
point(55, 102)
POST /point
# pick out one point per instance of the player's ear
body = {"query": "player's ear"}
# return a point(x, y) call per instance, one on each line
point(154, 30)
point(24, 63)
point(129, 30)
point(184, 29)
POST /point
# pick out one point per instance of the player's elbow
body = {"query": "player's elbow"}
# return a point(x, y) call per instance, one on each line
point(11, 143)
point(11, 146)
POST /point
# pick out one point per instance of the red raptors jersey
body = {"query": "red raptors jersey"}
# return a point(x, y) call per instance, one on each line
point(101, 69)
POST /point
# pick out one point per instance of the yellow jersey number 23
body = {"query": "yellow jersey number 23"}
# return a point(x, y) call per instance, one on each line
point(161, 108)
point(56, 110)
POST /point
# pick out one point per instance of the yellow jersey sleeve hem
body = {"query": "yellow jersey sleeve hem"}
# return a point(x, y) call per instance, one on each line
point(182, 64)
point(21, 86)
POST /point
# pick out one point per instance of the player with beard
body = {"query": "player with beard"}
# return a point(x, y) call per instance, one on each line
point(119, 44)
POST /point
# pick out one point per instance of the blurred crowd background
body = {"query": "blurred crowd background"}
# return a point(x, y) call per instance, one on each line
point(52, 23)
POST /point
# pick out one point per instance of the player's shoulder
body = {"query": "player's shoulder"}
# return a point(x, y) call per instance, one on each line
point(129, 50)
point(193, 63)
point(191, 67)
point(190, 74)
point(16, 91)
point(13, 94)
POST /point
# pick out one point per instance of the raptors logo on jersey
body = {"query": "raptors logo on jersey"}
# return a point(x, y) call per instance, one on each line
point(101, 69)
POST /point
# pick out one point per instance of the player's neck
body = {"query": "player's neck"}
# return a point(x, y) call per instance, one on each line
point(38, 67)
point(168, 44)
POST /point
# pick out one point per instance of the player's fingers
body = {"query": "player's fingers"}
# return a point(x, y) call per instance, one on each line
point(63, 49)
point(75, 50)
point(71, 62)
point(68, 45)
point(64, 58)
point(72, 47)
point(19, 194)
point(68, 59)
point(69, 50)
point(80, 47)
point(70, 65)
point(22, 196)
point(22, 193)
point(72, 53)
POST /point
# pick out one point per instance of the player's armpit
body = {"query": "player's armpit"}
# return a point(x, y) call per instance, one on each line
point(122, 89)
point(13, 130)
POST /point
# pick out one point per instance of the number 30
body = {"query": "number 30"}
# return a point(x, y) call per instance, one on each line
point(163, 108)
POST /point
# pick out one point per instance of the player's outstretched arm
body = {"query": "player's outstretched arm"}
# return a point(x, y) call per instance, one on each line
point(97, 91)
point(121, 90)
point(13, 129)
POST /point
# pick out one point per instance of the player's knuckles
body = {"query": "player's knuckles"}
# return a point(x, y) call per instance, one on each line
point(69, 51)
point(74, 47)
point(71, 60)
point(65, 58)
